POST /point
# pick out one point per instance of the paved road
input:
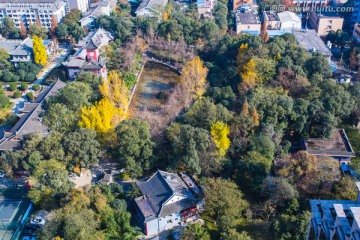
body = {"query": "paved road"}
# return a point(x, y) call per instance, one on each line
point(45, 72)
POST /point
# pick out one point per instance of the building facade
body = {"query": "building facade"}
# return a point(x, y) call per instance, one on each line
point(151, 8)
point(205, 7)
point(88, 57)
point(325, 22)
point(82, 5)
point(335, 219)
point(168, 200)
point(28, 11)
point(247, 22)
point(281, 21)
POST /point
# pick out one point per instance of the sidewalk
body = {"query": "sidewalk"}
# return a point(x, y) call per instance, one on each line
point(45, 72)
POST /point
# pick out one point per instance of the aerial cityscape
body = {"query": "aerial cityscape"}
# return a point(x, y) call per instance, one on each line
point(180, 119)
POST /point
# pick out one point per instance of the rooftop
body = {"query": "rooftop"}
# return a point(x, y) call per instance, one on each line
point(30, 122)
point(16, 47)
point(330, 210)
point(271, 16)
point(288, 16)
point(337, 146)
point(328, 15)
point(159, 189)
point(247, 18)
point(309, 40)
point(153, 4)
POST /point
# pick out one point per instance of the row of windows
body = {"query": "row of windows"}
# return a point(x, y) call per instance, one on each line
point(28, 5)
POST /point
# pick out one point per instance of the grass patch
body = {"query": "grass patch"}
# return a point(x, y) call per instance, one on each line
point(354, 138)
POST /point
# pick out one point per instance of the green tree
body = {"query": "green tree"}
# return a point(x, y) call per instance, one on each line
point(4, 59)
point(253, 169)
point(135, 146)
point(60, 118)
point(195, 232)
point(188, 145)
point(232, 234)
point(12, 86)
point(74, 96)
point(17, 94)
point(36, 87)
point(82, 147)
point(223, 198)
point(81, 225)
point(345, 189)
point(203, 113)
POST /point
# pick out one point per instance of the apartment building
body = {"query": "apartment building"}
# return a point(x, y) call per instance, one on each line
point(82, 5)
point(282, 20)
point(335, 219)
point(27, 11)
point(247, 22)
point(325, 22)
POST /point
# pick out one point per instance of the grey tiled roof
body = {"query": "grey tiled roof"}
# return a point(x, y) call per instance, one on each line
point(18, 48)
point(30, 122)
point(159, 189)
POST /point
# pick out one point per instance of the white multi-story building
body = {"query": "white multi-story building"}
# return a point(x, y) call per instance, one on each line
point(82, 5)
point(27, 11)
point(335, 219)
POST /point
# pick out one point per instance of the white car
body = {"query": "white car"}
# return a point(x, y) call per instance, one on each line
point(38, 221)
point(2, 175)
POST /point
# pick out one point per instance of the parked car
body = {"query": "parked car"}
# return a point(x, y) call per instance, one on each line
point(37, 221)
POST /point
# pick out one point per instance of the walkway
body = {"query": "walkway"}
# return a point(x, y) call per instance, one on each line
point(45, 72)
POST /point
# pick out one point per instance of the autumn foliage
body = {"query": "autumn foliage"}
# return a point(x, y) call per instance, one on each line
point(40, 56)
point(110, 110)
point(219, 132)
point(248, 76)
point(193, 78)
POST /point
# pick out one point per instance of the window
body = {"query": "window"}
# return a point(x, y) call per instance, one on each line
point(330, 21)
point(169, 221)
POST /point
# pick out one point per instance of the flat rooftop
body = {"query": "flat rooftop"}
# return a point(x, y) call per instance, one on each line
point(247, 18)
point(309, 40)
point(337, 146)
point(271, 16)
point(328, 15)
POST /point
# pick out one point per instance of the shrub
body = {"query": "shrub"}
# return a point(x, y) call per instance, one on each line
point(4, 101)
point(36, 87)
point(129, 79)
point(12, 86)
point(24, 86)
point(17, 94)
point(30, 95)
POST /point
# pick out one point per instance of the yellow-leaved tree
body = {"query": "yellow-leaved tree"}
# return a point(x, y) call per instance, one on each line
point(248, 76)
point(105, 115)
point(39, 50)
point(219, 132)
point(193, 78)
point(114, 89)
point(242, 57)
point(99, 117)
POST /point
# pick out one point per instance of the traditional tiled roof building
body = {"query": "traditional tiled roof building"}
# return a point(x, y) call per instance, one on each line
point(88, 57)
point(168, 200)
